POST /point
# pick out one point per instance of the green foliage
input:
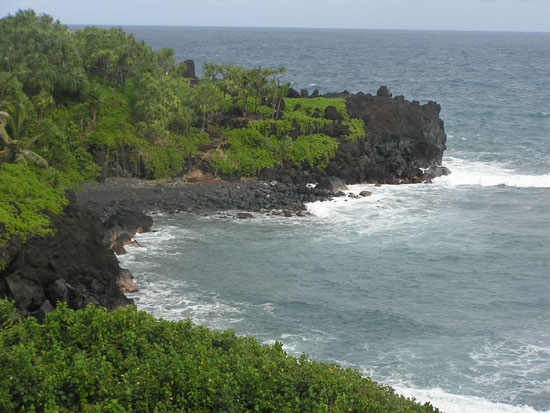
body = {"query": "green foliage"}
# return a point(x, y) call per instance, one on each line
point(8, 314)
point(113, 128)
point(93, 360)
point(166, 161)
point(24, 202)
point(308, 105)
point(114, 56)
point(316, 150)
point(301, 111)
point(160, 105)
point(249, 152)
point(357, 129)
point(15, 142)
point(207, 98)
point(41, 53)
point(247, 88)
point(306, 124)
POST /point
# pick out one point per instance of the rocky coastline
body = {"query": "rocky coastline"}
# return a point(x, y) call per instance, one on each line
point(403, 144)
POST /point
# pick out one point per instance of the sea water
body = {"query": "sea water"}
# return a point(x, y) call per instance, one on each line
point(441, 290)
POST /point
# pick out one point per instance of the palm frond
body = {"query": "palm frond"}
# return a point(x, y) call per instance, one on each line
point(31, 141)
point(35, 158)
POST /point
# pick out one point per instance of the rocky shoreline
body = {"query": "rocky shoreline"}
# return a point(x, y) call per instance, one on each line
point(403, 144)
point(78, 264)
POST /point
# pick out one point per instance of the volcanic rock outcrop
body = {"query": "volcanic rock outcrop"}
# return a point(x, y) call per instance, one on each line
point(400, 138)
point(72, 266)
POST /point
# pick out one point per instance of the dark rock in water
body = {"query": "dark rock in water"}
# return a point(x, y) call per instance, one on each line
point(332, 184)
point(315, 93)
point(122, 226)
point(304, 93)
point(412, 172)
point(73, 266)
point(384, 91)
point(365, 193)
point(244, 215)
point(332, 114)
point(436, 171)
point(399, 138)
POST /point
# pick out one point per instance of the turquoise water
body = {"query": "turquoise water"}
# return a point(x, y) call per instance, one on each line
point(441, 290)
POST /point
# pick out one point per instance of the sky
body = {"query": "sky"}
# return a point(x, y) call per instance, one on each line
point(492, 15)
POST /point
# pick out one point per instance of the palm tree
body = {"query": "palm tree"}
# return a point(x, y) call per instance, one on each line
point(15, 148)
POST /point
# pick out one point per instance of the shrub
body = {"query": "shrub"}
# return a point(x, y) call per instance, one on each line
point(93, 360)
point(316, 150)
point(249, 151)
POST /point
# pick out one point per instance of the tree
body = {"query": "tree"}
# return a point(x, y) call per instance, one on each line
point(207, 98)
point(16, 147)
point(42, 53)
point(166, 60)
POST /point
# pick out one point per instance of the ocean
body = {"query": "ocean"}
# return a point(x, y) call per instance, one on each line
point(441, 291)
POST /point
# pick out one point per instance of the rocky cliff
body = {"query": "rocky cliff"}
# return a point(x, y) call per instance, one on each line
point(74, 265)
point(400, 138)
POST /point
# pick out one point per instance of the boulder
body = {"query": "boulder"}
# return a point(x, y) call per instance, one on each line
point(384, 91)
point(332, 184)
point(332, 114)
point(126, 283)
point(365, 193)
point(436, 171)
point(244, 215)
point(292, 94)
point(26, 291)
point(122, 226)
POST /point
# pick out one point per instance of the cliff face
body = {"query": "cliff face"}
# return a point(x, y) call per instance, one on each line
point(400, 137)
point(73, 266)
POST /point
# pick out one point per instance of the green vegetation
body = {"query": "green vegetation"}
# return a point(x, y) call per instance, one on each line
point(24, 204)
point(127, 361)
point(96, 102)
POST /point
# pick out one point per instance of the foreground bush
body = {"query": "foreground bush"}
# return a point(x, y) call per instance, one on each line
point(125, 361)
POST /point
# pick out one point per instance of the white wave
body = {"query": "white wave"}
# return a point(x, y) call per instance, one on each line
point(313, 84)
point(455, 403)
point(464, 173)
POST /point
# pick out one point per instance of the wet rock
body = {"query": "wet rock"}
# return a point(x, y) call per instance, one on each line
point(244, 215)
point(332, 183)
point(125, 282)
point(436, 171)
point(365, 193)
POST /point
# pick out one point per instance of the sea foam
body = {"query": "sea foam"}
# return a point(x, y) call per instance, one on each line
point(454, 403)
point(489, 174)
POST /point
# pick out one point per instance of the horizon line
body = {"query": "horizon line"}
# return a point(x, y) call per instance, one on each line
point(309, 28)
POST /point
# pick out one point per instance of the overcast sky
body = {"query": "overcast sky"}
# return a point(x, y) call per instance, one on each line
point(500, 15)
